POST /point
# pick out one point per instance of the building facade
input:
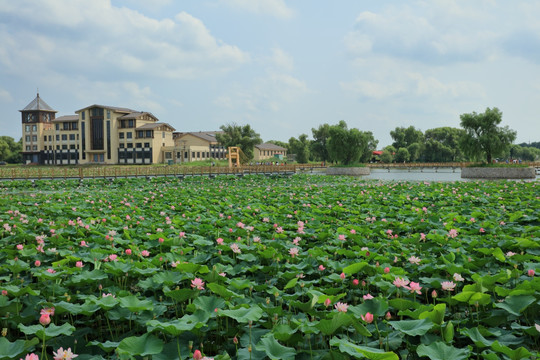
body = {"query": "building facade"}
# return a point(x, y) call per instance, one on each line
point(198, 146)
point(269, 151)
point(97, 134)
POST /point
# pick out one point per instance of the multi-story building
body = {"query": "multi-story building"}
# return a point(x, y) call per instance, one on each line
point(269, 151)
point(197, 146)
point(96, 134)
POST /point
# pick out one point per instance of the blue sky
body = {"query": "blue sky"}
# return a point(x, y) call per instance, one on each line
point(284, 67)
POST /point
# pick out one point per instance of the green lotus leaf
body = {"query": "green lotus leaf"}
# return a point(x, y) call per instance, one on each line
point(12, 350)
point(513, 354)
point(515, 305)
point(440, 351)
point(49, 332)
point(144, 345)
point(133, 304)
point(475, 335)
point(375, 306)
point(361, 352)
point(274, 350)
point(436, 315)
point(223, 291)
point(412, 327)
point(243, 314)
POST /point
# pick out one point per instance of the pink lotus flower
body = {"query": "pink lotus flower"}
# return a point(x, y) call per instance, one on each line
point(4, 293)
point(197, 355)
point(414, 260)
point(37, 263)
point(415, 287)
point(342, 276)
point(51, 271)
point(355, 282)
point(83, 244)
point(386, 270)
point(197, 283)
point(367, 318)
point(48, 311)
point(44, 319)
point(321, 267)
point(113, 257)
point(161, 240)
point(341, 307)
point(482, 230)
point(293, 251)
point(341, 237)
point(422, 236)
point(62, 354)
point(145, 253)
point(219, 241)
point(128, 251)
point(327, 302)
point(452, 233)
point(530, 272)
point(235, 249)
point(367, 297)
point(31, 356)
point(399, 282)
point(79, 264)
point(448, 285)
point(20, 246)
point(458, 277)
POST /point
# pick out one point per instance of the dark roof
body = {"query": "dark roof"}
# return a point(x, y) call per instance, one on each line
point(114, 108)
point(136, 114)
point(38, 104)
point(209, 136)
point(66, 118)
point(153, 126)
point(269, 146)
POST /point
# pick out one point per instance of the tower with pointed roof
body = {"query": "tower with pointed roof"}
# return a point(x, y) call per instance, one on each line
point(36, 118)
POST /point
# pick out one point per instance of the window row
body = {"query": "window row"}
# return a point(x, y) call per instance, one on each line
point(28, 127)
point(137, 145)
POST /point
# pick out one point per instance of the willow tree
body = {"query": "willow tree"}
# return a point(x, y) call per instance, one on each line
point(483, 138)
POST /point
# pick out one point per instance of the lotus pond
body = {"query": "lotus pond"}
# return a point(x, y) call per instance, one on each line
point(302, 267)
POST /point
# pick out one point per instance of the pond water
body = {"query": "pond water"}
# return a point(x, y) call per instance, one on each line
point(443, 174)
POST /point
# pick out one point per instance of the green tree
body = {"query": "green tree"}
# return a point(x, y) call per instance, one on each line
point(402, 155)
point(387, 157)
point(10, 151)
point(347, 146)
point(404, 137)
point(300, 147)
point(442, 144)
point(242, 136)
point(483, 138)
point(319, 145)
point(370, 146)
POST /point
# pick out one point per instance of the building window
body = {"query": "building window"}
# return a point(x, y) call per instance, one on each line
point(146, 145)
point(34, 127)
point(83, 115)
point(74, 126)
point(138, 145)
point(149, 134)
point(140, 134)
point(28, 148)
point(108, 114)
point(163, 134)
point(83, 140)
point(34, 147)
point(57, 147)
point(120, 135)
point(131, 123)
point(168, 155)
point(130, 145)
point(45, 138)
point(72, 146)
point(27, 138)
point(27, 128)
point(64, 147)
point(50, 138)
point(108, 139)
point(64, 137)
point(66, 126)
point(34, 137)
point(121, 145)
point(129, 135)
point(71, 136)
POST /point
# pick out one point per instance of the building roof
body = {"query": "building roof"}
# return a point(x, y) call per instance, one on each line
point(209, 136)
point(270, 146)
point(114, 108)
point(66, 118)
point(136, 114)
point(152, 126)
point(38, 104)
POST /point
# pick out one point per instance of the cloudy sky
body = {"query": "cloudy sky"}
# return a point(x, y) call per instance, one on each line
point(283, 67)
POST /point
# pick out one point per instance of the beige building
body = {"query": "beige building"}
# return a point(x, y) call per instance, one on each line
point(269, 151)
point(96, 134)
point(198, 146)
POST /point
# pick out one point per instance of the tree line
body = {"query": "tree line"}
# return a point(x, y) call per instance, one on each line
point(480, 138)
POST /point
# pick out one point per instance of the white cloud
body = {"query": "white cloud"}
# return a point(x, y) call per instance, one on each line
point(281, 59)
point(276, 8)
point(437, 32)
point(96, 37)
